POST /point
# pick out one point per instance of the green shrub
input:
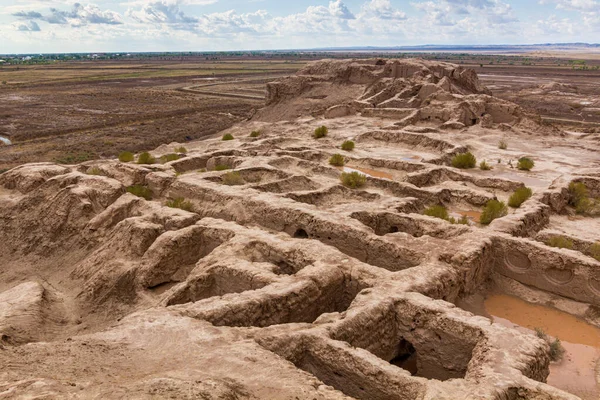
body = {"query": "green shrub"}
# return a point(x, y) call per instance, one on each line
point(519, 196)
point(557, 351)
point(492, 210)
point(126, 156)
point(525, 164)
point(464, 220)
point(221, 167)
point(181, 150)
point(255, 134)
point(140, 191)
point(232, 178)
point(168, 157)
point(320, 132)
point(484, 166)
point(560, 242)
point(594, 250)
point(337, 160)
point(502, 144)
point(353, 179)
point(437, 211)
point(94, 171)
point(146, 158)
point(227, 136)
point(179, 202)
point(581, 201)
point(578, 192)
point(348, 145)
point(464, 161)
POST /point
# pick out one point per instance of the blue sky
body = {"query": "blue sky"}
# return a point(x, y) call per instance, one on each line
point(197, 25)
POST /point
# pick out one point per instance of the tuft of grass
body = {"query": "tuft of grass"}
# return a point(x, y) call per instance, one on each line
point(320, 132)
point(519, 196)
point(437, 211)
point(348, 145)
point(126, 156)
point(557, 351)
point(484, 166)
point(168, 157)
point(146, 158)
point(227, 136)
point(560, 242)
point(221, 167)
point(525, 164)
point(581, 201)
point(140, 191)
point(255, 134)
point(179, 202)
point(232, 178)
point(502, 144)
point(464, 220)
point(578, 192)
point(94, 171)
point(180, 150)
point(337, 160)
point(493, 209)
point(594, 250)
point(353, 179)
point(464, 160)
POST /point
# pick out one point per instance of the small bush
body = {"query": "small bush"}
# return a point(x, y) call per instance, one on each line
point(492, 210)
point(560, 242)
point(348, 145)
point(232, 178)
point(581, 201)
point(464, 220)
point(464, 161)
point(227, 136)
point(320, 132)
point(255, 134)
point(594, 250)
point(146, 158)
point(557, 351)
point(578, 192)
point(437, 211)
point(168, 157)
point(179, 202)
point(353, 179)
point(525, 164)
point(502, 144)
point(140, 191)
point(180, 150)
point(337, 160)
point(94, 171)
point(126, 156)
point(519, 196)
point(484, 166)
point(221, 167)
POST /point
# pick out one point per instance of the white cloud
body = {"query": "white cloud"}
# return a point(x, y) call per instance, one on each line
point(26, 26)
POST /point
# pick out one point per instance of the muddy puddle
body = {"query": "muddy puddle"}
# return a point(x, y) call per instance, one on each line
point(529, 181)
point(579, 370)
point(369, 172)
point(472, 215)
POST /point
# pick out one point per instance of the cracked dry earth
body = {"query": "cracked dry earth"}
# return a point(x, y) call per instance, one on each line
point(290, 285)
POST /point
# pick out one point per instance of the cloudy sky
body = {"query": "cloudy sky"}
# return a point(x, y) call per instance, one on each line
point(31, 26)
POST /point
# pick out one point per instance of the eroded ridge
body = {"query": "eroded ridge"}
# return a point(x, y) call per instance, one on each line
point(274, 279)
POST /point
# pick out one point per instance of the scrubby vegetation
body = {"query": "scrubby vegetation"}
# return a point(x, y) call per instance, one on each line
point(493, 209)
point(525, 164)
point(337, 160)
point(464, 220)
point(594, 251)
point(179, 202)
point(181, 150)
point(353, 179)
point(146, 158)
point(580, 199)
point(437, 211)
point(557, 351)
point(75, 158)
point(560, 242)
point(519, 196)
point(126, 156)
point(320, 132)
point(484, 166)
point(140, 191)
point(228, 136)
point(255, 134)
point(221, 167)
point(464, 161)
point(503, 144)
point(232, 178)
point(168, 157)
point(94, 171)
point(348, 145)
